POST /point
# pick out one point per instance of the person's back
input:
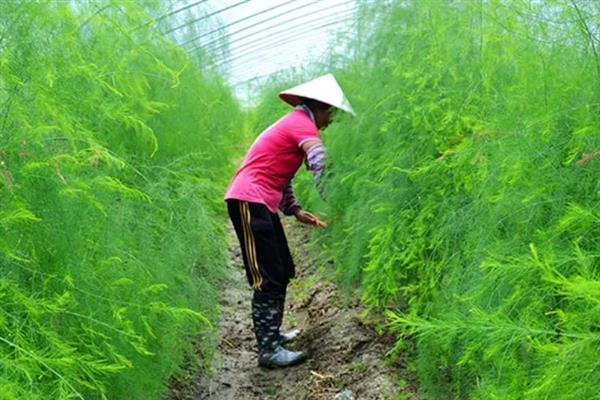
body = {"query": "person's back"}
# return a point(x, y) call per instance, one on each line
point(273, 160)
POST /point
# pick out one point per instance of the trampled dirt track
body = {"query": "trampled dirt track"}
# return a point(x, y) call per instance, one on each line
point(346, 356)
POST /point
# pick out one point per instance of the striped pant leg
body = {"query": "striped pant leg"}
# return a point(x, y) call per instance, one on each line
point(264, 247)
point(267, 266)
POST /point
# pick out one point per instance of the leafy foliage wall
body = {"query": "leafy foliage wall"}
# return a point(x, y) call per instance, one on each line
point(464, 197)
point(114, 153)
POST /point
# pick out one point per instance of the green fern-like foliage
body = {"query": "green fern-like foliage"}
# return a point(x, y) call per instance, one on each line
point(113, 160)
point(465, 194)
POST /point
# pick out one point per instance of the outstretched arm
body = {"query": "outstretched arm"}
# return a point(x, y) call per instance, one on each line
point(289, 203)
point(290, 206)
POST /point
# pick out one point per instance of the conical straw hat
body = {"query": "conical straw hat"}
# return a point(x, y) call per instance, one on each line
point(324, 89)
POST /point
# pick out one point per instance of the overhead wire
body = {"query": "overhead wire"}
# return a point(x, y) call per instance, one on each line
point(171, 13)
point(235, 22)
point(288, 40)
point(303, 26)
point(204, 45)
point(320, 10)
point(277, 40)
point(283, 61)
point(250, 44)
point(219, 11)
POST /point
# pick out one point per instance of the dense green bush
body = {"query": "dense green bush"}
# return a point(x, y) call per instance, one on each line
point(465, 195)
point(114, 151)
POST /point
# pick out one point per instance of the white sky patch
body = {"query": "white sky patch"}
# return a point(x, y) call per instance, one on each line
point(266, 36)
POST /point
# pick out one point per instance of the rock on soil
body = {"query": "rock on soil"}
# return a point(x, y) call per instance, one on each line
point(346, 356)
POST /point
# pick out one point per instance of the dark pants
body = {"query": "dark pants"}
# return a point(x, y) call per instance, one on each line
point(267, 259)
point(268, 263)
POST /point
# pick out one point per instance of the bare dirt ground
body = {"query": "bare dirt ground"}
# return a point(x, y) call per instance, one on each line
point(346, 356)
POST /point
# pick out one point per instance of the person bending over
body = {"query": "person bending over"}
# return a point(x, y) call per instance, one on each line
point(263, 185)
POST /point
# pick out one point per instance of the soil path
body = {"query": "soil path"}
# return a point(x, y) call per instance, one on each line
point(347, 357)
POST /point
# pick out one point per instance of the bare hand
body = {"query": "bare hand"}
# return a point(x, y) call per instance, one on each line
point(309, 219)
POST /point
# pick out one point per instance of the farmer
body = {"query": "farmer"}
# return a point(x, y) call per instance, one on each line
point(261, 186)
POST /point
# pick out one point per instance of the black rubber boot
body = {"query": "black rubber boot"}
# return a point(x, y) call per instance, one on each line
point(280, 357)
point(267, 315)
point(285, 337)
point(265, 320)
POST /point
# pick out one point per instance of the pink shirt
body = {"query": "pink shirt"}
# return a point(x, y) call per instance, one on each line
point(273, 160)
